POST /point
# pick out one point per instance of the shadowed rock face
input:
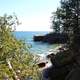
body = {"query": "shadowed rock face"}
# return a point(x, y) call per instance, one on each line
point(62, 65)
point(74, 74)
point(52, 55)
point(38, 38)
point(41, 64)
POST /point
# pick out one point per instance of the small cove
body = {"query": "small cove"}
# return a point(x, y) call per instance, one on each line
point(35, 47)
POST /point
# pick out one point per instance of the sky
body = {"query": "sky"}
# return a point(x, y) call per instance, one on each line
point(33, 14)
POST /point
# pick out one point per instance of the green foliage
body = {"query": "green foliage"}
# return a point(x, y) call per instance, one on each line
point(56, 24)
point(15, 59)
point(66, 15)
point(69, 16)
point(68, 21)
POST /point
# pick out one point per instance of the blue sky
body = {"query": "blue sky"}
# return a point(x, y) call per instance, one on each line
point(34, 14)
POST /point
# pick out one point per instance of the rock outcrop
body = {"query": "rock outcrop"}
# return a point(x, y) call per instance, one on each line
point(52, 38)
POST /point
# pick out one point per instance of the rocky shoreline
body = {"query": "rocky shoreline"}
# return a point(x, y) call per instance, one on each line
point(43, 60)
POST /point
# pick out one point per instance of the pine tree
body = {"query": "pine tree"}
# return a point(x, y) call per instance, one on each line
point(68, 16)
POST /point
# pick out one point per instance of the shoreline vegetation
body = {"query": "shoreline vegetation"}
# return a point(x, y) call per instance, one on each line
point(17, 63)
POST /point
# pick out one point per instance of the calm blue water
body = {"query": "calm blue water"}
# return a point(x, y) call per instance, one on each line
point(36, 47)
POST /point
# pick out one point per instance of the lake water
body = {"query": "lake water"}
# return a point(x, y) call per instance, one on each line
point(36, 47)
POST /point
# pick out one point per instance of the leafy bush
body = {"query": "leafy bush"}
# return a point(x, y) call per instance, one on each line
point(16, 62)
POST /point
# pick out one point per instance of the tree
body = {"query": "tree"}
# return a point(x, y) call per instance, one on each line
point(16, 62)
point(68, 18)
point(56, 23)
